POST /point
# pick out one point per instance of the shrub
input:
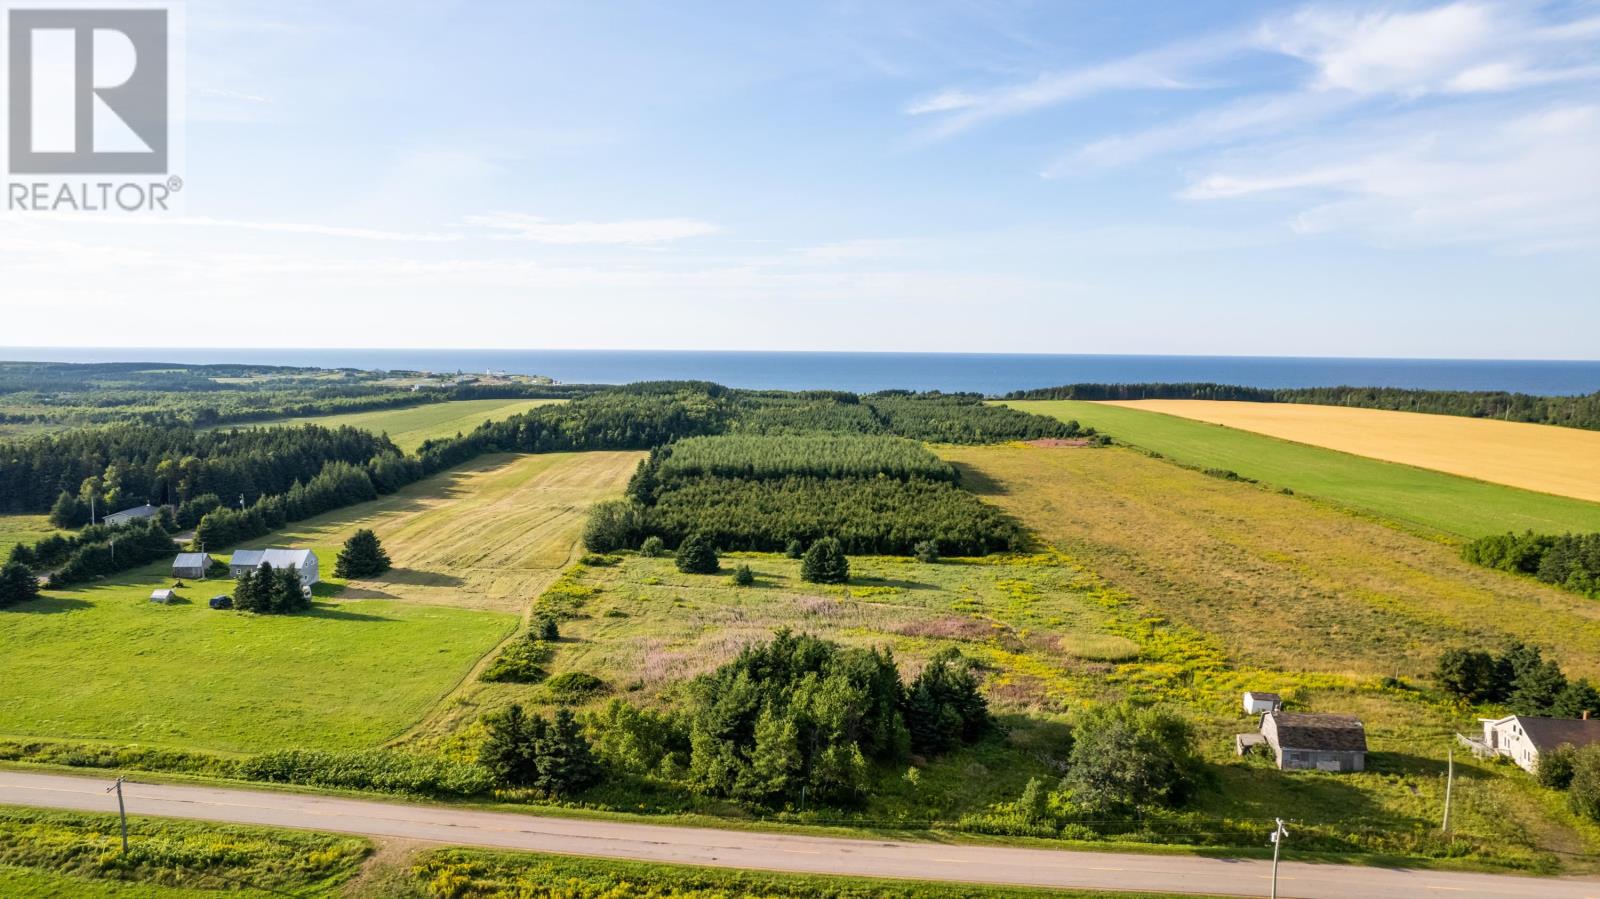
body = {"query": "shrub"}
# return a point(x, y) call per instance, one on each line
point(370, 769)
point(795, 549)
point(1124, 757)
point(652, 547)
point(18, 584)
point(825, 563)
point(575, 687)
point(521, 662)
point(362, 556)
point(743, 576)
point(696, 555)
point(1583, 790)
point(926, 551)
point(1555, 767)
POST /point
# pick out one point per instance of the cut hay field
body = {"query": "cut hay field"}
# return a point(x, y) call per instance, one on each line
point(101, 662)
point(1431, 500)
point(410, 426)
point(1544, 458)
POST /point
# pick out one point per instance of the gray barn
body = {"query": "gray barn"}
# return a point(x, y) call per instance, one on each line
point(1316, 742)
point(191, 565)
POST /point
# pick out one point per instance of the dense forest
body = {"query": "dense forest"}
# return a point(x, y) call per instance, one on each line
point(1571, 561)
point(880, 495)
point(1566, 411)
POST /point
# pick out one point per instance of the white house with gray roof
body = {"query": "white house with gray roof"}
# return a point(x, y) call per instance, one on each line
point(303, 561)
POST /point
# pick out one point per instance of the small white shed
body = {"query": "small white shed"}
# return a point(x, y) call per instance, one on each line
point(1258, 703)
point(163, 596)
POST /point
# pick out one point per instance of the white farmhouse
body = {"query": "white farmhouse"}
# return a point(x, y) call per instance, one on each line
point(1522, 738)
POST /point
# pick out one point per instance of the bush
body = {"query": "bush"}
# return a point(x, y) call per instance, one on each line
point(1555, 767)
point(1124, 758)
point(652, 547)
point(1583, 790)
point(370, 769)
point(926, 551)
point(575, 687)
point(743, 576)
point(521, 662)
point(825, 563)
point(362, 556)
point(697, 555)
point(795, 549)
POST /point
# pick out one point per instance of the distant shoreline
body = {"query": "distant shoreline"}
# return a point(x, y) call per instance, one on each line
point(989, 373)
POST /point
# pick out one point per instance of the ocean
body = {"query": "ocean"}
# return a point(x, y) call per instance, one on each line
point(862, 372)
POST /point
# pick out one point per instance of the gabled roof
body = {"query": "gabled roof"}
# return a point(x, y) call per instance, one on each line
point(277, 558)
point(1548, 733)
point(144, 511)
point(1257, 694)
point(191, 560)
point(1338, 733)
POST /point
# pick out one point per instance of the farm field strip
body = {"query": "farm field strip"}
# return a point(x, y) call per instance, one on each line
point(409, 427)
point(1417, 497)
point(1543, 458)
point(471, 547)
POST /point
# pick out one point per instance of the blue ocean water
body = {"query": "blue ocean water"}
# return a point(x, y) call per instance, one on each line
point(972, 372)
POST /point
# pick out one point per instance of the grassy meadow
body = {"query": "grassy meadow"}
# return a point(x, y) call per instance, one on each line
point(16, 529)
point(408, 427)
point(471, 547)
point(1431, 500)
point(1542, 458)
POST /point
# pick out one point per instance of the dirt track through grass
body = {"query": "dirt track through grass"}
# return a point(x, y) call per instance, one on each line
point(1549, 459)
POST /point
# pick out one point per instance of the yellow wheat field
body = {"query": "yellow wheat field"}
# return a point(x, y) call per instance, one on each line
point(1563, 461)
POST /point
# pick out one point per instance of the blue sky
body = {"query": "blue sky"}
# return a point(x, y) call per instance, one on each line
point(1329, 179)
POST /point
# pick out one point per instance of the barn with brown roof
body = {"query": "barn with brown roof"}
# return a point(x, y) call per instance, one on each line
point(1303, 741)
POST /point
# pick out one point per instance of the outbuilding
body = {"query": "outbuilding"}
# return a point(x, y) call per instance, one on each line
point(163, 596)
point(1258, 703)
point(129, 516)
point(303, 561)
point(191, 565)
point(1316, 742)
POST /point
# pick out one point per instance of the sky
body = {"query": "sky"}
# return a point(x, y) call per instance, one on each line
point(1337, 179)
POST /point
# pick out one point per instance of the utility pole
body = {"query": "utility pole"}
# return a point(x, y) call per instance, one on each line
point(122, 811)
point(1278, 833)
point(1449, 783)
point(91, 508)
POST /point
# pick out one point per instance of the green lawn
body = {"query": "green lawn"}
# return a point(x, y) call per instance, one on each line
point(16, 529)
point(1416, 496)
point(410, 426)
point(102, 662)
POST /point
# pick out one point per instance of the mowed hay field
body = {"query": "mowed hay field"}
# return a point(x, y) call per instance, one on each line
point(370, 660)
point(1546, 458)
point(1430, 500)
point(1274, 580)
point(411, 426)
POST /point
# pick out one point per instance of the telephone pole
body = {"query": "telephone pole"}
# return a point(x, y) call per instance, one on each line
point(1449, 784)
point(122, 811)
point(1278, 833)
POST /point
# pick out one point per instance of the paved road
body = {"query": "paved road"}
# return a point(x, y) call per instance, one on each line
point(778, 852)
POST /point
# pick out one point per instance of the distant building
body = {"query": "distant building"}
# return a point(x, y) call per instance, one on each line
point(1315, 742)
point(1523, 738)
point(191, 565)
point(1258, 703)
point(129, 516)
point(163, 596)
point(303, 561)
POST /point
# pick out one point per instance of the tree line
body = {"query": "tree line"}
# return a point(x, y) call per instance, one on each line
point(1519, 678)
point(1582, 411)
point(1570, 561)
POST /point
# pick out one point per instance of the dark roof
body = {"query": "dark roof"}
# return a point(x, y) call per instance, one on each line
point(1548, 733)
point(1257, 694)
point(1339, 733)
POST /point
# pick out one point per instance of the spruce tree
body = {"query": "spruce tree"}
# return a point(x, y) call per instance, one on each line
point(697, 555)
point(69, 512)
point(825, 563)
point(18, 584)
point(362, 556)
point(563, 757)
point(507, 751)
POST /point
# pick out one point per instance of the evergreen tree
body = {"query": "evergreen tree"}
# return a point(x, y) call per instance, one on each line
point(926, 551)
point(795, 549)
point(652, 547)
point(507, 750)
point(697, 555)
point(825, 563)
point(362, 556)
point(547, 628)
point(944, 707)
point(18, 584)
point(1577, 697)
point(743, 576)
point(69, 512)
point(563, 758)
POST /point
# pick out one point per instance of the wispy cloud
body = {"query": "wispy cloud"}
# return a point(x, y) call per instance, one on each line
point(513, 225)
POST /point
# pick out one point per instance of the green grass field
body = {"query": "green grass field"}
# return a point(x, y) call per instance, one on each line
point(410, 426)
point(1414, 496)
point(16, 529)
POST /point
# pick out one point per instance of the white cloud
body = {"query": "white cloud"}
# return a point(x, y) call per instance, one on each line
point(1527, 184)
point(515, 225)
